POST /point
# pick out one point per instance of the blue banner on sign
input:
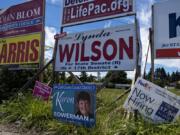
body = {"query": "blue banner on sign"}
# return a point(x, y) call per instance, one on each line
point(16, 25)
point(75, 103)
point(167, 111)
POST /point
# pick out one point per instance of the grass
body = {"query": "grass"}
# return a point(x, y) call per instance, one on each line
point(175, 91)
point(111, 119)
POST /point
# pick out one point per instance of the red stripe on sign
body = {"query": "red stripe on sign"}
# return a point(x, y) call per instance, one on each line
point(165, 53)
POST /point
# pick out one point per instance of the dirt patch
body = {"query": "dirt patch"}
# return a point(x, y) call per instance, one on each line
point(9, 130)
point(13, 129)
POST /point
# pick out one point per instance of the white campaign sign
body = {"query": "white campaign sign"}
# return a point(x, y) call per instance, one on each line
point(153, 102)
point(166, 26)
point(98, 50)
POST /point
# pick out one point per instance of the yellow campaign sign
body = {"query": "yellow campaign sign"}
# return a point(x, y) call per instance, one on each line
point(21, 49)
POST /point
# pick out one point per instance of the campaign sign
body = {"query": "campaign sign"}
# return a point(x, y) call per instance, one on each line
point(41, 90)
point(81, 11)
point(98, 50)
point(21, 28)
point(75, 104)
point(156, 104)
point(22, 19)
point(24, 49)
point(166, 26)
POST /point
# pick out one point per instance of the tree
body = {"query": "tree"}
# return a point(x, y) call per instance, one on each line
point(119, 77)
point(62, 77)
point(12, 81)
point(83, 76)
point(48, 74)
point(91, 78)
point(160, 76)
point(148, 75)
point(160, 73)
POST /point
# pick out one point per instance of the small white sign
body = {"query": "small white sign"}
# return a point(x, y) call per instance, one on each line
point(153, 102)
point(98, 50)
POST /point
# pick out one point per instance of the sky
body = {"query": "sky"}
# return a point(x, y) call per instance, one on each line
point(143, 10)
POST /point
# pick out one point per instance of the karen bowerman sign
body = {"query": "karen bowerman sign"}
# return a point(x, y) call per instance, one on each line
point(75, 103)
point(167, 29)
point(79, 11)
point(153, 102)
point(98, 50)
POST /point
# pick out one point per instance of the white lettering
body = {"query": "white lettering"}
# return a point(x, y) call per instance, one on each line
point(103, 8)
point(113, 6)
point(91, 8)
point(71, 116)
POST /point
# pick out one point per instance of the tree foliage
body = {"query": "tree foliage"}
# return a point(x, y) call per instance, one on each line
point(84, 77)
point(12, 81)
point(162, 78)
point(119, 77)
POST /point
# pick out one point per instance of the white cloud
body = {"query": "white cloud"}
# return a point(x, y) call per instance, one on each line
point(130, 74)
point(55, 1)
point(49, 40)
point(145, 42)
point(145, 17)
point(172, 63)
point(108, 24)
point(49, 37)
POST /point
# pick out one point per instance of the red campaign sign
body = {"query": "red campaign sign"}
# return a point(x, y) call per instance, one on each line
point(22, 19)
point(41, 90)
point(165, 53)
point(93, 10)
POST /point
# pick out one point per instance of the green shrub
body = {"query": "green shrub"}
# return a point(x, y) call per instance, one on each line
point(110, 85)
point(12, 81)
point(178, 85)
point(111, 119)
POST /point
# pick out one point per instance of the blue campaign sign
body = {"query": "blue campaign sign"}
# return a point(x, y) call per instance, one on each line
point(75, 103)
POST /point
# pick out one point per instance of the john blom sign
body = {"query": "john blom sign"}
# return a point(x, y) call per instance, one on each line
point(98, 50)
point(79, 11)
point(22, 19)
point(153, 102)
